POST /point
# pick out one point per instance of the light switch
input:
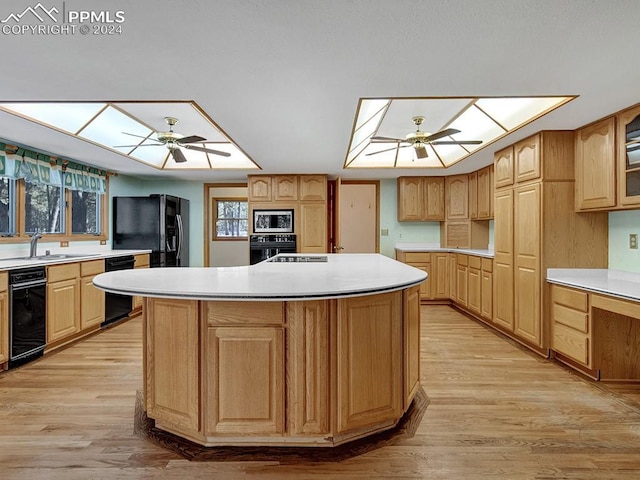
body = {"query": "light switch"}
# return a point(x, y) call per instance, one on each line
point(384, 232)
point(633, 240)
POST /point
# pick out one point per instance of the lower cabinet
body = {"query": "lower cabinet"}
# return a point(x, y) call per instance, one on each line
point(369, 360)
point(411, 327)
point(570, 324)
point(63, 301)
point(91, 298)
point(4, 319)
point(486, 300)
point(462, 280)
point(141, 261)
point(474, 285)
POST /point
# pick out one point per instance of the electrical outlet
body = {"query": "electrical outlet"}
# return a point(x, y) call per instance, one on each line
point(633, 240)
point(103, 242)
point(64, 243)
point(384, 232)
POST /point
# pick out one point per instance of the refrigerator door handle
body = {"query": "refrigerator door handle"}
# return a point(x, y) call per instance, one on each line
point(180, 236)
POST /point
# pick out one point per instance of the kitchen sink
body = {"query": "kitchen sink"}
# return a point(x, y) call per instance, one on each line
point(53, 256)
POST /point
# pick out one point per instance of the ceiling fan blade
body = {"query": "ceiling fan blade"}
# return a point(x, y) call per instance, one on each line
point(458, 142)
point(440, 134)
point(386, 150)
point(140, 145)
point(178, 156)
point(208, 150)
point(191, 139)
point(386, 140)
point(139, 136)
point(421, 152)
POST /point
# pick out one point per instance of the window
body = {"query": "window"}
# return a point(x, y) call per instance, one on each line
point(7, 206)
point(43, 208)
point(230, 218)
point(85, 213)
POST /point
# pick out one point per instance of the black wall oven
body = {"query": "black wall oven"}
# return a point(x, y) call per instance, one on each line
point(28, 314)
point(263, 247)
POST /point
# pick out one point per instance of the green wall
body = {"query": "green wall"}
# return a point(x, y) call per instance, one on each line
point(621, 224)
point(424, 232)
point(192, 191)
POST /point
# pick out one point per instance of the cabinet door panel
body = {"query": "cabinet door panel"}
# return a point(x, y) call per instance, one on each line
point(434, 199)
point(439, 277)
point(259, 188)
point(503, 261)
point(4, 326)
point(313, 188)
point(486, 302)
point(503, 167)
point(484, 193)
point(63, 309)
point(411, 322)
point(252, 402)
point(595, 166)
point(628, 158)
point(474, 294)
point(285, 188)
point(461, 285)
point(313, 224)
point(473, 195)
point(411, 199)
point(369, 360)
point(527, 159)
point(457, 192)
point(91, 304)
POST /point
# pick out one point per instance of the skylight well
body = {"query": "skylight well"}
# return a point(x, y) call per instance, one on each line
point(436, 132)
point(137, 130)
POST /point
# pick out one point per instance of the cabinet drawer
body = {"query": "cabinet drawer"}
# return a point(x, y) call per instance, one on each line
point(629, 309)
point(463, 259)
point(66, 271)
point(4, 281)
point(571, 343)
point(141, 261)
point(475, 262)
point(93, 267)
point(487, 264)
point(417, 257)
point(570, 298)
point(245, 313)
point(570, 318)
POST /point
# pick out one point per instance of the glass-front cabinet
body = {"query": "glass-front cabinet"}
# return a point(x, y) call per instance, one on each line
point(629, 156)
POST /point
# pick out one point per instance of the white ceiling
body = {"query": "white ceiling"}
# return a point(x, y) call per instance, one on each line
point(282, 78)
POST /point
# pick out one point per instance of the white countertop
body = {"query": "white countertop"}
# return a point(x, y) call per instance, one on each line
point(11, 260)
point(430, 247)
point(343, 275)
point(616, 283)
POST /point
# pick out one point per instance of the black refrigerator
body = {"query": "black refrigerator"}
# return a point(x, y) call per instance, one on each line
point(159, 223)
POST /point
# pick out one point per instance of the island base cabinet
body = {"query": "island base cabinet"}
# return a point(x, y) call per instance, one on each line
point(246, 386)
point(369, 360)
point(411, 318)
point(172, 364)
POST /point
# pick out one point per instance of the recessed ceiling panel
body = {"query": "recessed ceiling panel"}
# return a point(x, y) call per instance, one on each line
point(69, 117)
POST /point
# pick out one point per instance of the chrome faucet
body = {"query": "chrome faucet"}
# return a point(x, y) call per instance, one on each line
point(34, 244)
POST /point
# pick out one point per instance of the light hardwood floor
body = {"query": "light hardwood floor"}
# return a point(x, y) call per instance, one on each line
point(496, 412)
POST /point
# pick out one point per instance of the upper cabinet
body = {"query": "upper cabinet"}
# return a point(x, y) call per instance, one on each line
point(485, 193)
point(457, 191)
point(595, 165)
point(503, 164)
point(259, 188)
point(313, 188)
point(629, 157)
point(285, 188)
point(601, 148)
point(420, 199)
point(527, 159)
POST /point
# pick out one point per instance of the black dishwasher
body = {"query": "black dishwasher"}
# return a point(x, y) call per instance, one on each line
point(117, 306)
point(28, 314)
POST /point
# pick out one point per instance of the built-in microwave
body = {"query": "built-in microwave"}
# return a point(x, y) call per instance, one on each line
point(273, 221)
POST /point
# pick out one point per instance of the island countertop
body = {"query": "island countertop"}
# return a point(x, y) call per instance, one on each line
point(342, 275)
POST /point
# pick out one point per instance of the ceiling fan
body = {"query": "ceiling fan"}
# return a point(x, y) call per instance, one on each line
point(173, 141)
point(419, 139)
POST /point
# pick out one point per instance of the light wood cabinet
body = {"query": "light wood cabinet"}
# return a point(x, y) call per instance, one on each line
point(252, 402)
point(462, 280)
point(628, 152)
point(527, 266)
point(571, 325)
point(527, 159)
point(140, 261)
point(457, 195)
point(259, 187)
point(420, 199)
point(421, 261)
point(285, 188)
point(4, 319)
point(595, 166)
point(63, 301)
point(172, 370)
point(411, 327)
point(313, 228)
point(486, 299)
point(369, 373)
point(439, 276)
point(91, 298)
point(484, 193)
point(473, 195)
point(313, 188)
point(474, 285)
point(503, 167)
point(452, 270)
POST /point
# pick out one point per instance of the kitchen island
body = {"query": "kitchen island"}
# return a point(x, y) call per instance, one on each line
point(315, 352)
